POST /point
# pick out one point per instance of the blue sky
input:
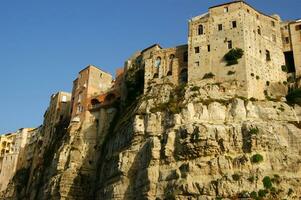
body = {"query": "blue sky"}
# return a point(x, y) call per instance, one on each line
point(43, 44)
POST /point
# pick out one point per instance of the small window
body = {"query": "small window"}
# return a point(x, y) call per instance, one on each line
point(226, 9)
point(196, 49)
point(287, 40)
point(274, 38)
point(201, 30)
point(197, 64)
point(248, 10)
point(100, 75)
point(298, 27)
point(267, 55)
point(208, 48)
point(273, 23)
point(220, 27)
point(64, 99)
point(259, 30)
point(230, 44)
point(234, 24)
point(257, 16)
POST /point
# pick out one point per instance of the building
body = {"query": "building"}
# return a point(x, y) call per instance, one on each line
point(91, 82)
point(237, 25)
point(291, 38)
point(168, 63)
point(58, 110)
point(15, 144)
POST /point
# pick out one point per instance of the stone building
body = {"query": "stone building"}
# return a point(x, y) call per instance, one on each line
point(169, 63)
point(15, 147)
point(91, 81)
point(237, 25)
point(291, 38)
point(58, 110)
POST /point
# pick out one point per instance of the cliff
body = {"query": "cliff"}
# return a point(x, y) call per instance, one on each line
point(184, 142)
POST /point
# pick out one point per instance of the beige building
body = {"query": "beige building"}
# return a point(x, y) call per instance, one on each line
point(237, 25)
point(291, 37)
point(15, 147)
point(91, 82)
point(169, 63)
point(58, 110)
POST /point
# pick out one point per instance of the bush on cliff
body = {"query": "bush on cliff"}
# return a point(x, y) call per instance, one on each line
point(233, 55)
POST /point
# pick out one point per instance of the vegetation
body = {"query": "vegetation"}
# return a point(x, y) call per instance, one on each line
point(254, 131)
point(257, 158)
point(195, 88)
point(262, 193)
point(233, 55)
point(267, 182)
point(294, 97)
point(134, 81)
point(208, 75)
point(236, 177)
point(175, 103)
point(231, 72)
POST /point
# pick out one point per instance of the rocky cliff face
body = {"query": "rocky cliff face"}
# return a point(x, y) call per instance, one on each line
point(193, 142)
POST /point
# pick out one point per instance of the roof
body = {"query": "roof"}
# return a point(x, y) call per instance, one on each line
point(241, 1)
point(152, 46)
point(89, 66)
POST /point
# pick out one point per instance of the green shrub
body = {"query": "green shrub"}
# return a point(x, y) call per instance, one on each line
point(231, 72)
point(208, 75)
point(253, 195)
point(257, 158)
point(236, 177)
point(195, 88)
point(267, 183)
point(262, 193)
point(294, 97)
point(290, 192)
point(233, 55)
point(254, 131)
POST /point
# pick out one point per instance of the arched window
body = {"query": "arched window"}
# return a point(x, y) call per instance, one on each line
point(158, 62)
point(184, 76)
point(169, 71)
point(200, 30)
point(94, 102)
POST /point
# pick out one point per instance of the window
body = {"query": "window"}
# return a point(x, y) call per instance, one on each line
point(79, 97)
point(234, 25)
point(226, 9)
point(201, 30)
point(267, 55)
point(274, 38)
point(196, 49)
point(185, 56)
point(257, 16)
point(298, 27)
point(273, 23)
point(220, 27)
point(64, 99)
point(287, 40)
point(197, 64)
point(158, 62)
point(208, 48)
point(259, 30)
point(230, 44)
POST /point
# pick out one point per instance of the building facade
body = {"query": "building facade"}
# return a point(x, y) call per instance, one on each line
point(91, 82)
point(237, 25)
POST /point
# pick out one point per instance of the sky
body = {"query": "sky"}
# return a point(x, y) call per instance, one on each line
point(44, 44)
